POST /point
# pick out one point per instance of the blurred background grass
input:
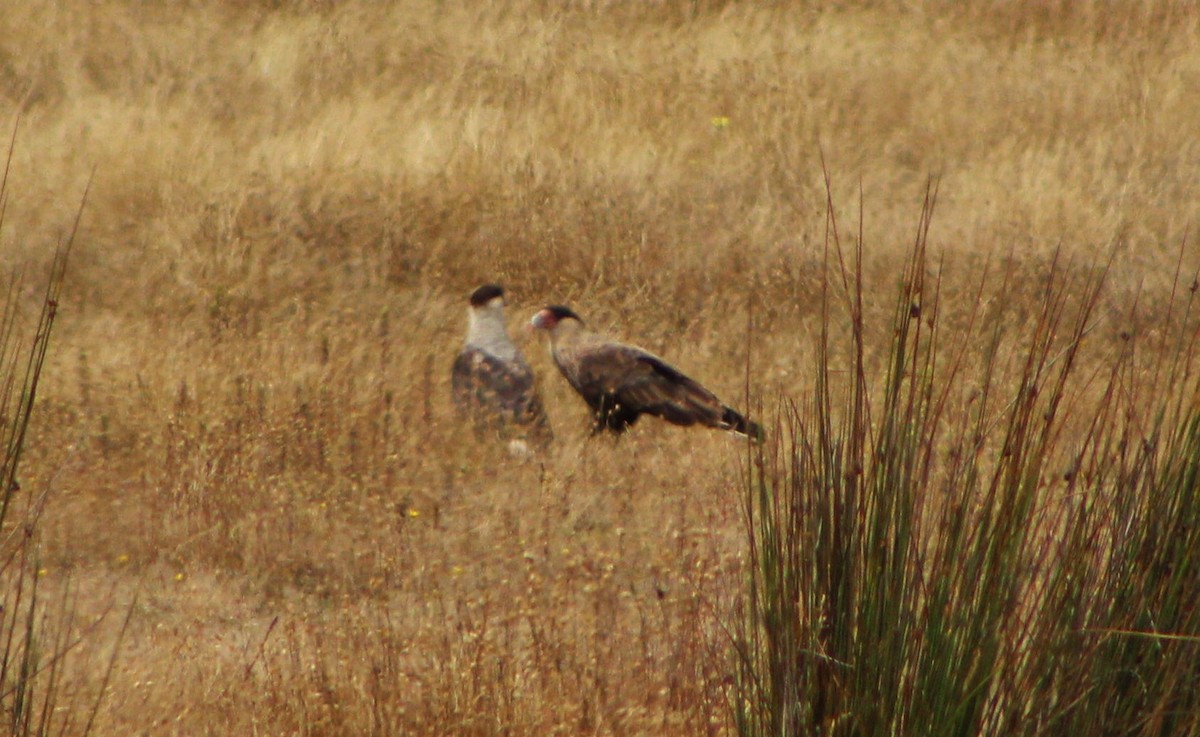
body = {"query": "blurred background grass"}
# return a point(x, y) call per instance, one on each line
point(245, 413)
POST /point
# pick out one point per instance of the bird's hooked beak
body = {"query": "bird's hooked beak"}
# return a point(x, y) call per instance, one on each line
point(542, 320)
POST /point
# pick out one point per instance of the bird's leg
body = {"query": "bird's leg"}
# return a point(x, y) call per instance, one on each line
point(603, 417)
point(597, 425)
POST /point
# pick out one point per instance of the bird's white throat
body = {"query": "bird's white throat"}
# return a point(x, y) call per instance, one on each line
point(486, 331)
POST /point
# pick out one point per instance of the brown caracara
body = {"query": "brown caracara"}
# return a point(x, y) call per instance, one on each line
point(621, 382)
point(491, 382)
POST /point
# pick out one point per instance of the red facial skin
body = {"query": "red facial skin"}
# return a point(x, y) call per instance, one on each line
point(544, 320)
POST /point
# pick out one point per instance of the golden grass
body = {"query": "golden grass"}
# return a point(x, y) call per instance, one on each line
point(245, 419)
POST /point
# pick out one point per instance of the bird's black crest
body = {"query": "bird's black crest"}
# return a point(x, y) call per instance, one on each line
point(486, 294)
point(561, 313)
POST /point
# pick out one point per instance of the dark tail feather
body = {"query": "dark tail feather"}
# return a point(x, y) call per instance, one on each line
point(736, 423)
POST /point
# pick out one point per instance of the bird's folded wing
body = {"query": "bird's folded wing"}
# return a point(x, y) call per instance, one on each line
point(478, 377)
point(642, 382)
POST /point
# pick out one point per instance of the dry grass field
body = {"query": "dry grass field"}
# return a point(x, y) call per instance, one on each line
point(243, 437)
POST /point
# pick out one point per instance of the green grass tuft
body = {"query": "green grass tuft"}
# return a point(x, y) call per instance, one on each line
point(937, 552)
point(39, 631)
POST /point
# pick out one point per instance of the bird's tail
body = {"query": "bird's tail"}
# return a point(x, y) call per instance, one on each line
point(733, 421)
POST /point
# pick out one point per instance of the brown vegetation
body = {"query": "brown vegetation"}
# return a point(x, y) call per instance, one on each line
point(244, 425)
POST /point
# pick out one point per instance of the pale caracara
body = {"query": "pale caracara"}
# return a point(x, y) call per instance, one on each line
point(621, 382)
point(491, 382)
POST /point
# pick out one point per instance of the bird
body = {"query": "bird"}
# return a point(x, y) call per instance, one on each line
point(491, 383)
point(622, 382)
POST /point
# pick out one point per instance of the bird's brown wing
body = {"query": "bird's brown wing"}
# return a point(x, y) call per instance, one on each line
point(660, 389)
point(627, 381)
point(496, 392)
point(678, 398)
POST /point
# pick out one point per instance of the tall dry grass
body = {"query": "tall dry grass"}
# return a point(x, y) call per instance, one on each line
point(40, 631)
point(245, 419)
point(933, 551)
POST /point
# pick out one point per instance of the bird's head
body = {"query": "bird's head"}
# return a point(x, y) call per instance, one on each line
point(489, 295)
point(548, 318)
